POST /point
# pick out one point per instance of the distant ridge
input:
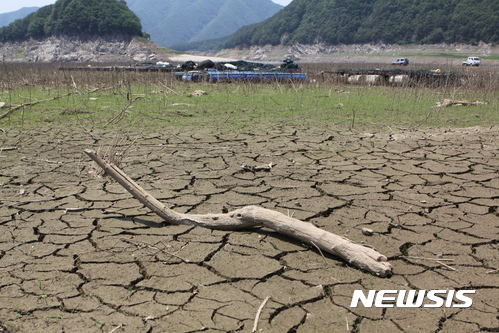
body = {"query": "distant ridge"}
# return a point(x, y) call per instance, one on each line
point(7, 18)
point(171, 22)
point(375, 21)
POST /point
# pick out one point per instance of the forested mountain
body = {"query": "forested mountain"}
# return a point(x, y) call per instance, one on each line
point(167, 22)
point(371, 21)
point(179, 21)
point(75, 17)
point(7, 18)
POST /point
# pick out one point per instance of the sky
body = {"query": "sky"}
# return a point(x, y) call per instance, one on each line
point(10, 6)
point(282, 2)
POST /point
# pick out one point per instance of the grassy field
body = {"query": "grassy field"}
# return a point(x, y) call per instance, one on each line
point(149, 101)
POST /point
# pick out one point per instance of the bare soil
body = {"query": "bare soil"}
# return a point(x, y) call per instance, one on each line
point(79, 254)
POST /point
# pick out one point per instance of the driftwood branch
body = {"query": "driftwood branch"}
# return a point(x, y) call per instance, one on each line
point(14, 108)
point(449, 102)
point(252, 216)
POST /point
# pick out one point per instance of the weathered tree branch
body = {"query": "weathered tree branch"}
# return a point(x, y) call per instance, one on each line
point(12, 109)
point(251, 216)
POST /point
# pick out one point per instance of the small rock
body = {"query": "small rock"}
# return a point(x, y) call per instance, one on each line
point(367, 232)
point(199, 93)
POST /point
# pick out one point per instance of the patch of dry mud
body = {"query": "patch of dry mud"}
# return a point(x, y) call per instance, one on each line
point(78, 254)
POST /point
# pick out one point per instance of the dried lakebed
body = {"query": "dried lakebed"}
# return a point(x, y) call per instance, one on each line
point(79, 254)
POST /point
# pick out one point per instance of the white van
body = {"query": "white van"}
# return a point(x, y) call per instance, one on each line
point(472, 61)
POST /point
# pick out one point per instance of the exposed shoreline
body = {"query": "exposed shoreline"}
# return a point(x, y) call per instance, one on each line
point(117, 49)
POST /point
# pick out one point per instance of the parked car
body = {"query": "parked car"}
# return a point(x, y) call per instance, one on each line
point(472, 61)
point(401, 61)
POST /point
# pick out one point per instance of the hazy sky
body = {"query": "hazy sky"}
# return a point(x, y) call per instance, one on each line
point(10, 6)
point(282, 2)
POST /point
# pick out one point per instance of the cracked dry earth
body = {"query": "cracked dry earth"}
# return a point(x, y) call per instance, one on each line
point(79, 254)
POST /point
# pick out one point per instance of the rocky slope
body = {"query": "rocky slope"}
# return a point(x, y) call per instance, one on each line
point(90, 49)
point(114, 49)
point(322, 52)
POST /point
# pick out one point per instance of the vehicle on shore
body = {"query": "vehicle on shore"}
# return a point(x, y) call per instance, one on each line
point(401, 62)
point(472, 61)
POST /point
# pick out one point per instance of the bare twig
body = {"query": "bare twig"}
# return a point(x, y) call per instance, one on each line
point(120, 115)
point(85, 129)
point(78, 209)
point(113, 155)
point(422, 258)
point(151, 246)
point(257, 317)
point(320, 251)
point(116, 328)
point(447, 266)
point(170, 90)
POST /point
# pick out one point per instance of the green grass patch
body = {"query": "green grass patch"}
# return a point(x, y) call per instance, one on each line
point(243, 106)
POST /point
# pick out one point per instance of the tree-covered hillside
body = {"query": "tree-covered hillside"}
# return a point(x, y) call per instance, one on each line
point(179, 21)
point(75, 17)
point(371, 21)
